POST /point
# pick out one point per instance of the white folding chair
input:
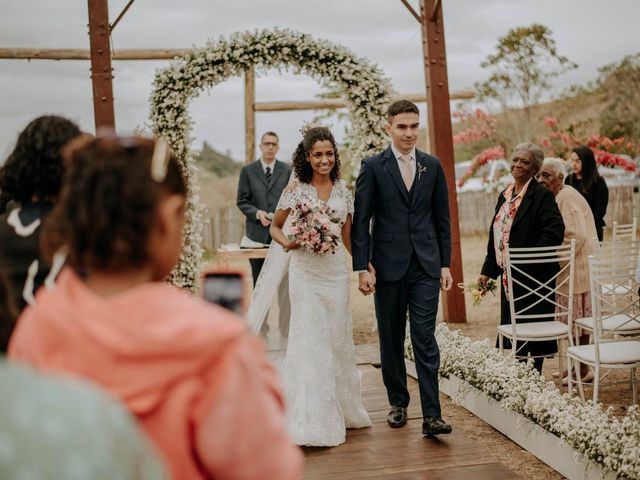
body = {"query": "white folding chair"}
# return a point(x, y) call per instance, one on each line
point(538, 327)
point(625, 231)
point(612, 347)
point(618, 294)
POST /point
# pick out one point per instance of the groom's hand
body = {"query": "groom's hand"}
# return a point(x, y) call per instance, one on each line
point(366, 283)
point(264, 218)
point(372, 271)
point(446, 280)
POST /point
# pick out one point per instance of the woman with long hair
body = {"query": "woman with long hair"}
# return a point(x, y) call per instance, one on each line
point(585, 178)
point(29, 185)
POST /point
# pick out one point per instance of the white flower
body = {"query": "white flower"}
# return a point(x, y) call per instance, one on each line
point(589, 428)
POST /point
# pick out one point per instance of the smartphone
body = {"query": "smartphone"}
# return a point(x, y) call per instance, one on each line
point(225, 289)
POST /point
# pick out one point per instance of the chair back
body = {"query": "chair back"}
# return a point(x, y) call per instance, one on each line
point(612, 252)
point(626, 231)
point(613, 271)
point(529, 287)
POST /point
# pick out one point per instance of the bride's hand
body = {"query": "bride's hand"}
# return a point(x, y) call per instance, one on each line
point(366, 283)
point(291, 246)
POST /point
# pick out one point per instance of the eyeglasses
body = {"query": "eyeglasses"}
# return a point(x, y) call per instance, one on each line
point(270, 144)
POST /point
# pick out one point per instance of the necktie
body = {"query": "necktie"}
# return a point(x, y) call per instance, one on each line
point(267, 172)
point(405, 170)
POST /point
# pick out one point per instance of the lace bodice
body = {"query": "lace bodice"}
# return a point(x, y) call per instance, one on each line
point(298, 192)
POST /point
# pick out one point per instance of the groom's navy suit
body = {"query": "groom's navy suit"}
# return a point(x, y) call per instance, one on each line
point(407, 237)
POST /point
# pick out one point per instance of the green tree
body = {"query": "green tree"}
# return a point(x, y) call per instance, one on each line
point(619, 83)
point(521, 69)
point(210, 159)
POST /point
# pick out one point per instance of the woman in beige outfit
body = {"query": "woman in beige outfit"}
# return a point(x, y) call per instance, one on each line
point(579, 225)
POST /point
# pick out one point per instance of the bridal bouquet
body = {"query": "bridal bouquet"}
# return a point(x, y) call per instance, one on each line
point(316, 229)
point(478, 291)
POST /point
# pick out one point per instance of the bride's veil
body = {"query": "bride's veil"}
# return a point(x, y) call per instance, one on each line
point(275, 267)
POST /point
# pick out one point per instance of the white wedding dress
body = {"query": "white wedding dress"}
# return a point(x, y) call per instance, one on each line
point(321, 381)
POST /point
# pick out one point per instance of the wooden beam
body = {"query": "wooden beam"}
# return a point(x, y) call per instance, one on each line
point(81, 54)
point(335, 104)
point(101, 72)
point(119, 17)
point(249, 115)
point(441, 140)
point(412, 11)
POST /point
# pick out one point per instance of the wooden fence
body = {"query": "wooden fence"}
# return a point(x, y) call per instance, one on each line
point(475, 211)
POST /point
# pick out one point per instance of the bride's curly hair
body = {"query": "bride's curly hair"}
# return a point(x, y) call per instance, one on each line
point(300, 159)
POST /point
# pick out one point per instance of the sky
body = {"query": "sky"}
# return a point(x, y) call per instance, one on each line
point(591, 33)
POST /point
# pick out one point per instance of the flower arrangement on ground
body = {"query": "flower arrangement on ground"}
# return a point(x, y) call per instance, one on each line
point(316, 229)
point(592, 430)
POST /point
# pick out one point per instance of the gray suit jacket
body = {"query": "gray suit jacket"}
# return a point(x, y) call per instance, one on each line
point(255, 193)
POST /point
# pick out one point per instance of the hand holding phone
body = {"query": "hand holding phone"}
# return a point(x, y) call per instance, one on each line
point(224, 288)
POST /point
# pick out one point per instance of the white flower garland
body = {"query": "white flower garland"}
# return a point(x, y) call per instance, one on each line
point(364, 88)
point(589, 428)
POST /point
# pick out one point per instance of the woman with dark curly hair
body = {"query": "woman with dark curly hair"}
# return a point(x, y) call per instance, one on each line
point(320, 376)
point(7, 313)
point(29, 185)
point(587, 180)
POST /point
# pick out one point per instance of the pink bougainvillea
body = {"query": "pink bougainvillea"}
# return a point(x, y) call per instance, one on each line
point(492, 153)
point(559, 142)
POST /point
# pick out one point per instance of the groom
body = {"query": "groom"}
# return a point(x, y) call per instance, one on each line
point(405, 193)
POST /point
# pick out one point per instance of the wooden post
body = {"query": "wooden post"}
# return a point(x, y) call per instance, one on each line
point(250, 115)
point(101, 73)
point(441, 139)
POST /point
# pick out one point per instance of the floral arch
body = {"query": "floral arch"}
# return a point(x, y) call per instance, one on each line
point(361, 83)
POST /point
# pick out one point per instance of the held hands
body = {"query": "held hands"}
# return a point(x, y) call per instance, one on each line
point(446, 280)
point(367, 281)
point(265, 218)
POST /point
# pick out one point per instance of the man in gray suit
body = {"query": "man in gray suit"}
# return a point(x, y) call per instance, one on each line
point(259, 189)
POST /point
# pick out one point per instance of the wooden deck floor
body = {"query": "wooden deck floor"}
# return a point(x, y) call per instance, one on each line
point(381, 452)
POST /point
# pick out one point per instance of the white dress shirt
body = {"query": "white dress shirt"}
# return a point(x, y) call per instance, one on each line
point(265, 165)
point(412, 162)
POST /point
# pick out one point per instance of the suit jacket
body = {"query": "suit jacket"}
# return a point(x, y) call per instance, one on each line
point(255, 193)
point(403, 222)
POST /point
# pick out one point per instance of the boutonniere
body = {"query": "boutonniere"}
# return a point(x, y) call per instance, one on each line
point(421, 169)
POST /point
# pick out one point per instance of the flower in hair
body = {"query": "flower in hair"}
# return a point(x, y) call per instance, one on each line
point(306, 126)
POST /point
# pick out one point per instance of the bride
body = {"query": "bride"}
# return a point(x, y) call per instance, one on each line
point(321, 381)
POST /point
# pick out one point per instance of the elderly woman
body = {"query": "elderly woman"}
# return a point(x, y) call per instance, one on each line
point(526, 216)
point(579, 225)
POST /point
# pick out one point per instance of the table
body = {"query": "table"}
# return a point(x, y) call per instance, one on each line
point(225, 252)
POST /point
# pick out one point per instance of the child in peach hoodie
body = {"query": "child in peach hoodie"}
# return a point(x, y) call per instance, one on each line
point(197, 381)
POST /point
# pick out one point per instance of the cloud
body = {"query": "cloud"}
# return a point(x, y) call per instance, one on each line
point(382, 31)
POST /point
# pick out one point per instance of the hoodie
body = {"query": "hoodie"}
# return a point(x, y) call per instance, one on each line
point(197, 381)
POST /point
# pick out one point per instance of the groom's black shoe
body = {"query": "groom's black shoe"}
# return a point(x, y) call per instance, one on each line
point(397, 417)
point(435, 426)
